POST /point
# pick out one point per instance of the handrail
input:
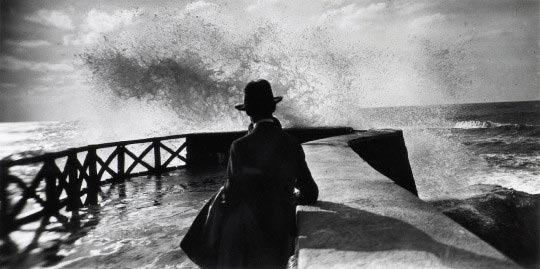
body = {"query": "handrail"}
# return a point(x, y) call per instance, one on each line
point(91, 169)
point(64, 153)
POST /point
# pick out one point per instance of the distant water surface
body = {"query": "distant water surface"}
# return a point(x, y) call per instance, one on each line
point(455, 146)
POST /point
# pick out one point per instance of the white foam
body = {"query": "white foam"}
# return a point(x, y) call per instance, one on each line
point(190, 61)
point(475, 124)
point(518, 180)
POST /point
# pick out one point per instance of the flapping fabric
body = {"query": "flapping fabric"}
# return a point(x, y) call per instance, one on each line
point(201, 242)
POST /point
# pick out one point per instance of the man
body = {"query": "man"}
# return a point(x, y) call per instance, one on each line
point(264, 168)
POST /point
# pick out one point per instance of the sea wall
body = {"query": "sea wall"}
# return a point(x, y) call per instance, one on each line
point(385, 151)
point(213, 148)
point(368, 214)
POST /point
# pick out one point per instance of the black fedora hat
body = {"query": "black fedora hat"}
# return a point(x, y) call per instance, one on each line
point(258, 96)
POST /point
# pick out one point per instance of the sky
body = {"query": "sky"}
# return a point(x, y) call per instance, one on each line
point(421, 52)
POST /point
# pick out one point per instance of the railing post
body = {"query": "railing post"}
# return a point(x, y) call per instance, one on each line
point(157, 157)
point(93, 181)
point(74, 194)
point(121, 163)
point(51, 202)
point(5, 220)
point(190, 152)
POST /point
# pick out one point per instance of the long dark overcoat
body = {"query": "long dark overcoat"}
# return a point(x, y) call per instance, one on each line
point(264, 168)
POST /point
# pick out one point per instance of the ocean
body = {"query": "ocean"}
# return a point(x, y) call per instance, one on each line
point(450, 147)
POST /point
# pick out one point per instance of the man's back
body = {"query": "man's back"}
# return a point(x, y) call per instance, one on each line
point(274, 160)
point(252, 219)
point(264, 168)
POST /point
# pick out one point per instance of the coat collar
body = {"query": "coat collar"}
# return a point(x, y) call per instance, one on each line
point(259, 122)
point(263, 124)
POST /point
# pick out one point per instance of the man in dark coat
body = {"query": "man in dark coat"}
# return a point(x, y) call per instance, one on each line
point(265, 167)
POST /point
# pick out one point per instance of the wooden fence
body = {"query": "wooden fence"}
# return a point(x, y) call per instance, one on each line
point(70, 179)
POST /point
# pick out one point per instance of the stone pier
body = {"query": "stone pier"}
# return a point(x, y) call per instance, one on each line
point(368, 213)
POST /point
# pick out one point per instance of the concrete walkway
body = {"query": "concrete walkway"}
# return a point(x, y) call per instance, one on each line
point(363, 219)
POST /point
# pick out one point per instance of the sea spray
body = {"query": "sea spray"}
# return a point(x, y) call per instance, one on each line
point(195, 60)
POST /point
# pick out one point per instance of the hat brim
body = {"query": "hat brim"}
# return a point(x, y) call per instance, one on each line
point(242, 107)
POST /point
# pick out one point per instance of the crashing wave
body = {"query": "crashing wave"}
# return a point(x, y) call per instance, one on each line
point(194, 60)
point(475, 124)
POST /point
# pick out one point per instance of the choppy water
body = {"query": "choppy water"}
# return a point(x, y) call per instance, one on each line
point(33, 138)
point(455, 146)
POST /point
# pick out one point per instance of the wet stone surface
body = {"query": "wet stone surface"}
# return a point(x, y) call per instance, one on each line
point(139, 223)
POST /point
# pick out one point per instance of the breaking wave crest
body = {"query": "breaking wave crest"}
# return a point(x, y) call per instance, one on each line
point(474, 124)
point(195, 61)
point(199, 71)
